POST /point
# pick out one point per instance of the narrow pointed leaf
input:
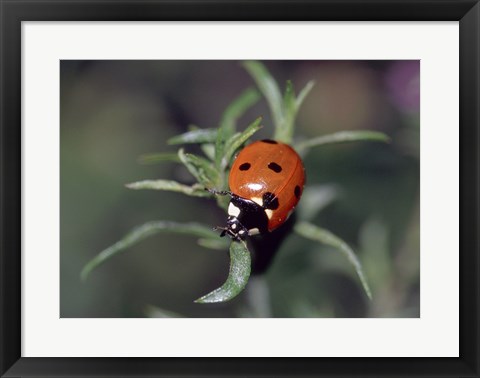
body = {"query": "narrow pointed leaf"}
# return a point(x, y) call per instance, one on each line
point(170, 185)
point(284, 132)
point(323, 236)
point(140, 233)
point(343, 137)
point(155, 158)
point(229, 120)
point(200, 168)
point(195, 136)
point(239, 139)
point(269, 88)
point(303, 94)
point(240, 266)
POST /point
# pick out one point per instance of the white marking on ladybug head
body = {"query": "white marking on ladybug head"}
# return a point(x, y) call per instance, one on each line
point(255, 187)
point(253, 231)
point(234, 226)
point(233, 210)
point(269, 213)
point(257, 200)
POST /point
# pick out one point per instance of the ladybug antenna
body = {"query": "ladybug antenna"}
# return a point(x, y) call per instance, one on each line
point(219, 192)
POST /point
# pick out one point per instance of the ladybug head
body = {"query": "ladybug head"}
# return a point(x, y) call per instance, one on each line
point(234, 229)
point(245, 217)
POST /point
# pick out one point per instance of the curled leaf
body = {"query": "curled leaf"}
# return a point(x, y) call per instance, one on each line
point(321, 235)
point(240, 266)
point(140, 233)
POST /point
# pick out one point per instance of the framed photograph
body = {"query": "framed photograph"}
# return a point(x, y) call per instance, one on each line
point(191, 190)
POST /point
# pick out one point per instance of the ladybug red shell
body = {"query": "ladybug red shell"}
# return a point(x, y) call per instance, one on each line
point(266, 182)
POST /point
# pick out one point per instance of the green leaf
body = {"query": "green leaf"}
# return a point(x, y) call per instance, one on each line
point(140, 233)
point(229, 120)
point(283, 110)
point(238, 140)
point(289, 101)
point(321, 235)
point(170, 185)
point(195, 136)
point(303, 94)
point(158, 158)
point(285, 131)
point(240, 266)
point(200, 168)
point(343, 137)
point(269, 88)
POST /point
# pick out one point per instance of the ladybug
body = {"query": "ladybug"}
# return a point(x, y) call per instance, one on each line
point(266, 182)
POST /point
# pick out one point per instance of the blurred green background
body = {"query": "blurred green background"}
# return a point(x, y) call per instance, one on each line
point(367, 193)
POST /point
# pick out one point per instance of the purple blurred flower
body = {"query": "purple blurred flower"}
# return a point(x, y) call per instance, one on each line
point(403, 83)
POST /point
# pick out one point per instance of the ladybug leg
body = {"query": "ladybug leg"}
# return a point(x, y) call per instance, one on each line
point(219, 192)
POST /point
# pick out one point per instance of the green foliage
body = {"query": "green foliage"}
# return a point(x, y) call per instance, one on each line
point(195, 190)
point(342, 137)
point(195, 136)
point(237, 141)
point(200, 168)
point(228, 123)
point(140, 233)
point(283, 109)
point(219, 146)
point(240, 265)
point(323, 236)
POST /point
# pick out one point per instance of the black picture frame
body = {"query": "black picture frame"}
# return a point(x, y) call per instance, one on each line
point(13, 12)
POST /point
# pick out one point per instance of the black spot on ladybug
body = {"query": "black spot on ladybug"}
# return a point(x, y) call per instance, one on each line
point(270, 201)
point(269, 141)
point(297, 191)
point(244, 167)
point(275, 167)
